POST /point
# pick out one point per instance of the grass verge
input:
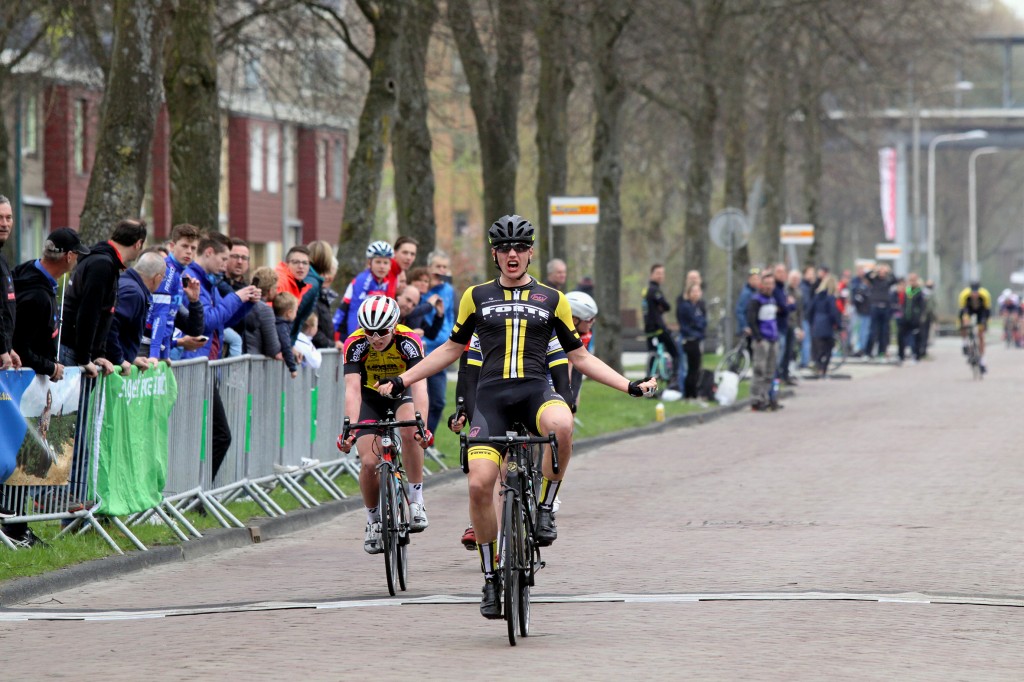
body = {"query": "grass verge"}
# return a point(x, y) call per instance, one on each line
point(602, 410)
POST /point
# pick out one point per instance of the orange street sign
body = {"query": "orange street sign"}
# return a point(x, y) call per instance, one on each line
point(888, 251)
point(574, 210)
point(796, 234)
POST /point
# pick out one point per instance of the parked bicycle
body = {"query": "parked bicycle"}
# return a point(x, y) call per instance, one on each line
point(520, 553)
point(659, 362)
point(737, 360)
point(393, 497)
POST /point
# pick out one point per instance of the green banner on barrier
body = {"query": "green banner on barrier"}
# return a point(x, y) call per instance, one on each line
point(132, 466)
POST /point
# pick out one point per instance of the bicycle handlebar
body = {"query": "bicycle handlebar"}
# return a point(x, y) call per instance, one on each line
point(382, 424)
point(508, 439)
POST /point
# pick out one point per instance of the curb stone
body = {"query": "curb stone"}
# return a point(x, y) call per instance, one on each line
point(20, 590)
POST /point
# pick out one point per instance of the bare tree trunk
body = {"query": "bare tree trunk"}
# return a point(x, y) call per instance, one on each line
point(811, 164)
point(134, 90)
point(734, 121)
point(610, 92)
point(6, 181)
point(494, 98)
point(698, 182)
point(554, 87)
point(411, 150)
point(190, 82)
point(774, 159)
point(375, 127)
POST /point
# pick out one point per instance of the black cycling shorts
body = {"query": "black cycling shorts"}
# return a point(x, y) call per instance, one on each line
point(980, 316)
point(500, 406)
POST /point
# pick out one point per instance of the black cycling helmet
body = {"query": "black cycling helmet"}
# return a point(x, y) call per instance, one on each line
point(975, 286)
point(510, 228)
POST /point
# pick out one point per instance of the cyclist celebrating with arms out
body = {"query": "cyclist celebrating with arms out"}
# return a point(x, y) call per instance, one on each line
point(975, 301)
point(378, 348)
point(515, 317)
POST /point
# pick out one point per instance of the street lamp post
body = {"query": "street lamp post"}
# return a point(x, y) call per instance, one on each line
point(972, 207)
point(915, 162)
point(933, 261)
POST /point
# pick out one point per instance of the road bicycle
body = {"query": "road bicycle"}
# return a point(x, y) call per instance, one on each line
point(973, 355)
point(393, 498)
point(659, 362)
point(840, 350)
point(520, 553)
point(737, 360)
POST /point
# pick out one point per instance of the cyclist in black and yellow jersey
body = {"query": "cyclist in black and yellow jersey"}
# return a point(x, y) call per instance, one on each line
point(515, 317)
point(381, 347)
point(976, 302)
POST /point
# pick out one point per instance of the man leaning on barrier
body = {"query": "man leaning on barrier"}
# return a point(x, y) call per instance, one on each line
point(8, 356)
point(92, 296)
point(134, 298)
point(35, 338)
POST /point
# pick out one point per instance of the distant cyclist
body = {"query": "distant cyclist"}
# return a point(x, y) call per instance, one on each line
point(976, 302)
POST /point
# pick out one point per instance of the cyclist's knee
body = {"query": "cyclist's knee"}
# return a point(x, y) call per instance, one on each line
point(481, 483)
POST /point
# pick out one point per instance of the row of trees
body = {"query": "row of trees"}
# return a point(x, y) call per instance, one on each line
point(680, 106)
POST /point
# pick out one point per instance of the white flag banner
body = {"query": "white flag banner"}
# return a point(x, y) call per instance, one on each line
point(887, 175)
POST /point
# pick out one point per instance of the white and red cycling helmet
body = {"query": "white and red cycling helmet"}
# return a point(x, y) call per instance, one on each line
point(378, 313)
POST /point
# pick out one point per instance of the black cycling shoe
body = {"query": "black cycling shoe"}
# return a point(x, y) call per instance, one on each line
point(547, 531)
point(490, 604)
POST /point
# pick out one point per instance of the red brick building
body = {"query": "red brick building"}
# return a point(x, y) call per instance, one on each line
point(283, 182)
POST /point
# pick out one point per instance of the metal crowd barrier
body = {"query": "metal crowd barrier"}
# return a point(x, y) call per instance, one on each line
point(283, 432)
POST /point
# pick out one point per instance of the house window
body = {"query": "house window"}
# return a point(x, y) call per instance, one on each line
point(273, 159)
point(337, 172)
point(29, 128)
point(321, 169)
point(256, 159)
point(81, 111)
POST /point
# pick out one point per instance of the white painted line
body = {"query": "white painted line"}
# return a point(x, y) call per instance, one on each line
point(8, 616)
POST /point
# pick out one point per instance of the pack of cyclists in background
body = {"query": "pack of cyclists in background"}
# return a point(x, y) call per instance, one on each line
point(975, 302)
point(1010, 310)
point(514, 316)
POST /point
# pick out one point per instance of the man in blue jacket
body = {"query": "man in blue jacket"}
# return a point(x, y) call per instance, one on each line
point(171, 298)
point(219, 312)
point(440, 286)
point(134, 298)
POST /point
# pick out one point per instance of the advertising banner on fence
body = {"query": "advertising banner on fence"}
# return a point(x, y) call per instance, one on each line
point(132, 465)
point(37, 426)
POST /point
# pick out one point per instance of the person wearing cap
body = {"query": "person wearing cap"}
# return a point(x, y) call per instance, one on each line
point(35, 281)
point(92, 296)
point(8, 356)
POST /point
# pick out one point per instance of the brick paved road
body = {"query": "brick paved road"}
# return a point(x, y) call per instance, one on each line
point(901, 480)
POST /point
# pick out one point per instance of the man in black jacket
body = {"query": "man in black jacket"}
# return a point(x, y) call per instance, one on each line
point(92, 296)
point(35, 337)
point(8, 356)
point(654, 306)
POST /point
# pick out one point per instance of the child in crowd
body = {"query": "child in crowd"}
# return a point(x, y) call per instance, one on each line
point(377, 279)
point(285, 308)
point(304, 343)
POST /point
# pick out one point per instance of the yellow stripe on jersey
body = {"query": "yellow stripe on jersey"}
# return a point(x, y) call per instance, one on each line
point(466, 308)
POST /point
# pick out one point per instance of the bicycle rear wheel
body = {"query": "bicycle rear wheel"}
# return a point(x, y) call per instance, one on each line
point(388, 527)
point(510, 530)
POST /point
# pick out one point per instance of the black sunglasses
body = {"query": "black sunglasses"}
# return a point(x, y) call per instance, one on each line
point(518, 247)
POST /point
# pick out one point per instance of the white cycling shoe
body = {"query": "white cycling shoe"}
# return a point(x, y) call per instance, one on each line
point(417, 518)
point(371, 542)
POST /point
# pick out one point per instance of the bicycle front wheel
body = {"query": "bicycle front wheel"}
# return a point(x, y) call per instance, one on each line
point(389, 527)
point(403, 535)
point(510, 530)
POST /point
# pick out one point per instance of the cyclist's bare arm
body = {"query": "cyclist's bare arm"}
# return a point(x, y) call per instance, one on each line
point(440, 358)
point(595, 368)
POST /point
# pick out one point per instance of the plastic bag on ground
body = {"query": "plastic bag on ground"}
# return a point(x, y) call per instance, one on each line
point(728, 387)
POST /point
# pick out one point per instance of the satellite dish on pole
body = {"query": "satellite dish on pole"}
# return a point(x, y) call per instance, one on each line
point(729, 230)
